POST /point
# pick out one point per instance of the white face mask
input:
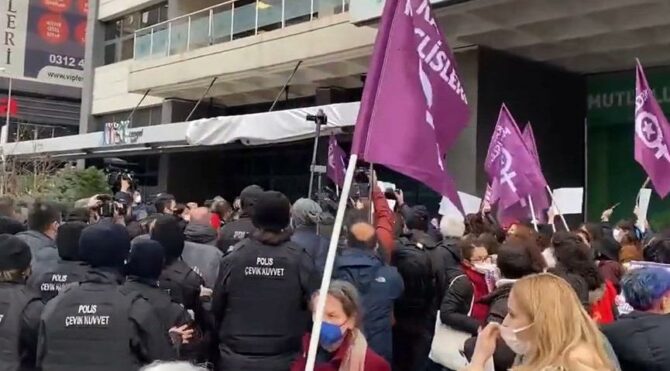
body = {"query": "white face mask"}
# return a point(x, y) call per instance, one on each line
point(509, 335)
point(138, 199)
point(483, 268)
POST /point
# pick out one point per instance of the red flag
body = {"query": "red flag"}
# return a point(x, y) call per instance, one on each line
point(7, 103)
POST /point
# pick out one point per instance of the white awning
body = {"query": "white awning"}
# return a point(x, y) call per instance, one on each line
point(253, 129)
point(269, 127)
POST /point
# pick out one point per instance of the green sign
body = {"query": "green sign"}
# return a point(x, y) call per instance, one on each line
point(611, 97)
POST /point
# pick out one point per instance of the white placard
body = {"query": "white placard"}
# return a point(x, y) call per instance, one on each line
point(471, 205)
point(643, 203)
point(569, 200)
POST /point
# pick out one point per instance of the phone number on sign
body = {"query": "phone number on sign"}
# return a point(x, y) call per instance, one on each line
point(66, 61)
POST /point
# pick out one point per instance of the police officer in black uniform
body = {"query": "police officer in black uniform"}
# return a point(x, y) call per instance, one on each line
point(236, 231)
point(260, 301)
point(20, 307)
point(69, 268)
point(144, 266)
point(177, 277)
point(96, 324)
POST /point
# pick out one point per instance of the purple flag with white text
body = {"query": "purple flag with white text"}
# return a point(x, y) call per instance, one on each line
point(529, 138)
point(540, 197)
point(512, 169)
point(337, 167)
point(652, 135)
point(413, 104)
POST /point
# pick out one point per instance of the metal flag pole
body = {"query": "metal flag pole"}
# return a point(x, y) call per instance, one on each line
point(319, 119)
point(532, 213)
point(553, 202)
point(330, 260)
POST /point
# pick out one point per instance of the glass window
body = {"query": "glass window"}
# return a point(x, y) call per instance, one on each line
point(120, 33)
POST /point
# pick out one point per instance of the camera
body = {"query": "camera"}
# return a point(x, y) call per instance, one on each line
point(106, 207)
point(360, 187)
point(320, 118)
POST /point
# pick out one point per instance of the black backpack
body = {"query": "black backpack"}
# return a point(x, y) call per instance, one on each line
point(414, 265)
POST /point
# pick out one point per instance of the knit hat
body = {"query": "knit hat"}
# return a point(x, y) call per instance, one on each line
point(305, 212)
point(104, 245)
point(417, 218)
point(14, 253)
point(271, 212)
point(249, 196)
point(67, 240)
point(169, 234)
point(146, 259)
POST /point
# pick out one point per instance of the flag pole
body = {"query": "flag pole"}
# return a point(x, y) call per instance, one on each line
point(532, 212)
point(330, 260)
point(586, 169)
point(553, 202)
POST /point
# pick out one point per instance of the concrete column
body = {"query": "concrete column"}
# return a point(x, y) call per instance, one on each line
point(163, 172)
point(94, 56)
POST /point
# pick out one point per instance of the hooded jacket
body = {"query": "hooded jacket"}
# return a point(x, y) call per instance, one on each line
point(379, 285)
point(638, 339)
point(200, 233)
point(43, 250)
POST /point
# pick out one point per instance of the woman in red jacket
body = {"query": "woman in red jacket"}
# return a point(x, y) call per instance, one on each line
point(342, 346)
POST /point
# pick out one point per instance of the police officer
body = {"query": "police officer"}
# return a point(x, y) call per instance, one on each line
point(68, 269)
point(177, 277)
point(20, 308)
point(96, 324)
point(260, 301)
point(144, 266)
point(236, 231)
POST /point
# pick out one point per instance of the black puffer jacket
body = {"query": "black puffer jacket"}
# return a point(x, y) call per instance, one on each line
point(639, 341)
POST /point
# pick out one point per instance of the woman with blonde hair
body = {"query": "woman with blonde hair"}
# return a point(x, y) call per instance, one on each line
point(342, 345)
point(547, 328)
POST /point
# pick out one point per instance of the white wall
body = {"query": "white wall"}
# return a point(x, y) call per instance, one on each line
point(110, 9)
point(110, 90)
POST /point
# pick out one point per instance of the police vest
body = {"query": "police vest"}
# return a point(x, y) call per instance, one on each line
point(13, 300)
point(87, 327)
point(168, 312)
point(182, 283)
point(65, 273)
point(265, 312)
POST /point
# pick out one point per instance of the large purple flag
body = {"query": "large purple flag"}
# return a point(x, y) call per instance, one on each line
point(652, 135)
point(413, 105)
point(336, 168)
point(529, 138)
point(511, 167)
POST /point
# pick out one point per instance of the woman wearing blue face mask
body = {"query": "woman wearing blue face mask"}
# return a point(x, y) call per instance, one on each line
point(342, 346)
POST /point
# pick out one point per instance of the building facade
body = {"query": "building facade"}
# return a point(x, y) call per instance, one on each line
point(566, 67)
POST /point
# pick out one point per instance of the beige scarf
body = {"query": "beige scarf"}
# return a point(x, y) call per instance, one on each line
point(355, 358)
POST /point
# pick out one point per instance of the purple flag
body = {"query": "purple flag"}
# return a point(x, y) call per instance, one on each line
point(413, 105)
point(511, 167)
point(652, 135)
point(337, 167)
point(529, 138)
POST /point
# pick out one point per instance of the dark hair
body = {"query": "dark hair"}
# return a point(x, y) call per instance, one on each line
point(543, 237)
point(515, 260)
point(657, 250)
point(573, 256)
point(524, 232)
point(594, 230)
point(163, 201)
point(10, 226)
point(468, 245)
point(179, 209)
point(42, 214)
point(533, 251)
point(490, 242)
point(6, 206)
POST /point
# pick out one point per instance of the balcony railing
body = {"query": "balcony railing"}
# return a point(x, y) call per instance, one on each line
point(228, 21)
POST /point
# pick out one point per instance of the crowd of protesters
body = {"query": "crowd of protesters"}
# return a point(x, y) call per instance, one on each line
point(114, 284)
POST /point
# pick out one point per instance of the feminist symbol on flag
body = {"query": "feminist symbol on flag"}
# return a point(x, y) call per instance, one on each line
point(649, 131)
point(506, 175)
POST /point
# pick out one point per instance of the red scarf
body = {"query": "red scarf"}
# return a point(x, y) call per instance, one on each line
point(479, 310)
point(602, 311)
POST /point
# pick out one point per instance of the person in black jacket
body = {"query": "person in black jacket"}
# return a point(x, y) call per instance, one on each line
point(143, 269)
point(260, 303)
point(514, 262)
point(452, 230)
point(234, 232)
point(20, 308)
point(639, 339)
point(96, 324)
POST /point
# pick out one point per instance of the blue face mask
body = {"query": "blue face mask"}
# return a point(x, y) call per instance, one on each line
point(330, 334)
